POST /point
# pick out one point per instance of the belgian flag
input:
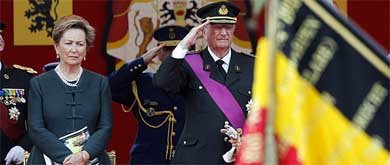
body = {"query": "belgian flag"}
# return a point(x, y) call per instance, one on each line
point(327, 87)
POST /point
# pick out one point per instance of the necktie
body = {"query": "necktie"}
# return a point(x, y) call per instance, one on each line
point(220, 68)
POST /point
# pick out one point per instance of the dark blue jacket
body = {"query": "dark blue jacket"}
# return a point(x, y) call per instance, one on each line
point(56, 109)
point(150, 146)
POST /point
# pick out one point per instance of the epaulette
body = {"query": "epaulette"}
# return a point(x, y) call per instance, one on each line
point(27, 69)
point(194, 52)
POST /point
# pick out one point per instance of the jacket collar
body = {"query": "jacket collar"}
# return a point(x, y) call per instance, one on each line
point(210, 66)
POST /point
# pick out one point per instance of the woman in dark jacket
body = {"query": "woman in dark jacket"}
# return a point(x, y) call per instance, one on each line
point(69, 98)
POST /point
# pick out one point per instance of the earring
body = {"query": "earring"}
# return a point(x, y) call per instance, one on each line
point(58, 55)
point(85, 58)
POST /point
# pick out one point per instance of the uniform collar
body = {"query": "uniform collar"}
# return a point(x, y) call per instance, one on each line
point(225, 59)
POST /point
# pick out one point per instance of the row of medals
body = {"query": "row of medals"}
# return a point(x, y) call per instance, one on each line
point(10, 97)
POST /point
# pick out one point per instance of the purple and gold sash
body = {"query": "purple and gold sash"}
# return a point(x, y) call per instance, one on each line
point(218, 92)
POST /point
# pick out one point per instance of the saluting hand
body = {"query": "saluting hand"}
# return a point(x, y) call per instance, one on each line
point(195, 33)
point(150, 54)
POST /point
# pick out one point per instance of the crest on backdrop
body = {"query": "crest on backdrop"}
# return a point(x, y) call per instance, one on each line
point(34, 20)
point(134, 21)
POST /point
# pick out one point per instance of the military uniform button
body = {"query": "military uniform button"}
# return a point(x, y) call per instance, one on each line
point(200, 87)
point(139, 65)
point(135, 67)
point(131, 70)
point(184, 142)
point(175, 108)
point(173, 133)
point(249, 92)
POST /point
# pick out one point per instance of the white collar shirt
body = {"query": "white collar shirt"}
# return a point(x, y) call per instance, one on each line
point(225, 59)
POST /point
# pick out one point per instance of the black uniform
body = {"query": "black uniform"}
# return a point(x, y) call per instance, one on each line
point(13, 108)
point(201, 141)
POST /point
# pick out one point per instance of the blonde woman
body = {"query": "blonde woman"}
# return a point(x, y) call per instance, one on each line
point(69, 98)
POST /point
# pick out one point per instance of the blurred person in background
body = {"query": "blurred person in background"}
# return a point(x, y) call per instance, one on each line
point(160, 116)
point(14, 86)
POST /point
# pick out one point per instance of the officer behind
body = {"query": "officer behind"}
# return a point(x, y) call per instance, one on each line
point(50, 66)
point(215, 84)
point(160, 116)
point(13, 110)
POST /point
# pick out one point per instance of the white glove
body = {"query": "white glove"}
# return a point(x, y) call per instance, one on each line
point(15, 155)
point(228, 157)
point(228, 130)
point(231, 132)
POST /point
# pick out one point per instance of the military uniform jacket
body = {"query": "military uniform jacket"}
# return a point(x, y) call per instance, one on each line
point(57, 110)
point(13, 132)
point(150, 143)
point(201, 140)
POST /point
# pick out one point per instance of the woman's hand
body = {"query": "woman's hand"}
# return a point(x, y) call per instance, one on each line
point(80, 158)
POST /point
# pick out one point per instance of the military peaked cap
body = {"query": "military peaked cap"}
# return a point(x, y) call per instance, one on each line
point(170, 35)
point(50, 66)
point(219, 12)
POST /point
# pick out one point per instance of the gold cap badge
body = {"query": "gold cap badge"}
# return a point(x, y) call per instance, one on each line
point(223, 10)
point(171, 34)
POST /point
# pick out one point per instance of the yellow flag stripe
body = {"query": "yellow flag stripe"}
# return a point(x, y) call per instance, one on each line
point(261, 88)
point(307, 120)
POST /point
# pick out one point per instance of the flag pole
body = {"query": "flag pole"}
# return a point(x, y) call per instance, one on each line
point(271, 30)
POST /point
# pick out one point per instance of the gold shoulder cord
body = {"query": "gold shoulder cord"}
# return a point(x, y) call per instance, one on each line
point(130, 108)
point(170, 118)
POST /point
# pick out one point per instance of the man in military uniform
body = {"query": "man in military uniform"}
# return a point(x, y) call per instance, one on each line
point(49, 66)
point(13, 110)
point(215, 83)
point(160, 116)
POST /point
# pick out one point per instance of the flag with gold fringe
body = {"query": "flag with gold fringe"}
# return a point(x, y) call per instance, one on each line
point(328, 89)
